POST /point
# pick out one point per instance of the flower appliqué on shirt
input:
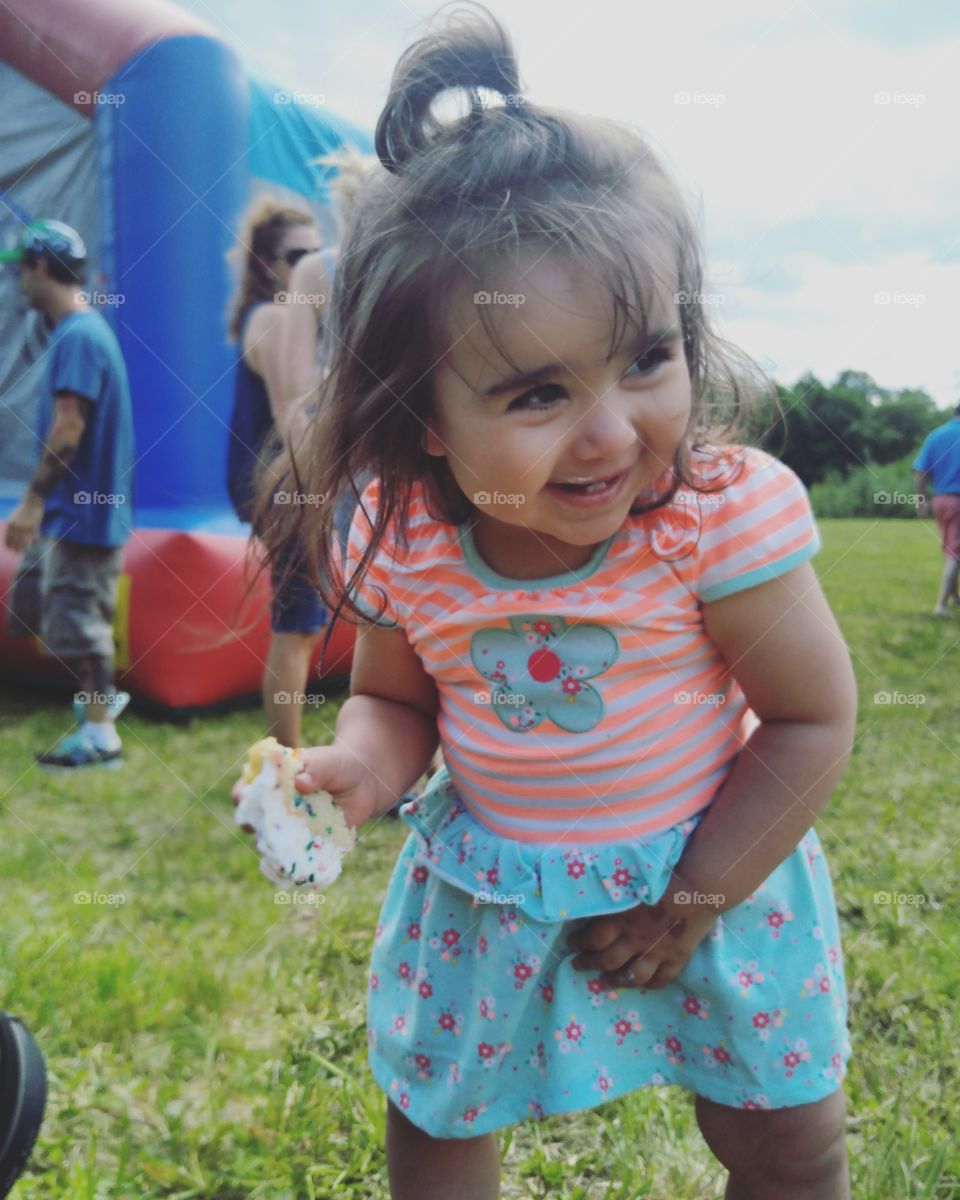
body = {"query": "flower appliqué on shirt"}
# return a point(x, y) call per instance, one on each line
point(540, 670)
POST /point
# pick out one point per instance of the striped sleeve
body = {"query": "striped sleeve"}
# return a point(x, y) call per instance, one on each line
point(763, 528)
point(375, 593)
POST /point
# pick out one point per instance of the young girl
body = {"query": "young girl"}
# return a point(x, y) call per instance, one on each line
point(607, 614)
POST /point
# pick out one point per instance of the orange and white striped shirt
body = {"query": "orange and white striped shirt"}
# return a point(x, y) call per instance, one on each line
point(591, 707)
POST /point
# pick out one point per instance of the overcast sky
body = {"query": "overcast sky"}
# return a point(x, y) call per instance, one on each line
point(818, 144)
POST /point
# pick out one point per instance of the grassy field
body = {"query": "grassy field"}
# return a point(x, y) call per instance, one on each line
point(204, 1041)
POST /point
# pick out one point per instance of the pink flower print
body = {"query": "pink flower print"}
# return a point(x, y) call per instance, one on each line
point(450, 1022)
point(470, 1115)
point(487, 1008)
point(451, 937)
point(571, 686)
point(622, 877)
point(420, 874)
point(622, 1028)
point(493, 876)
point(508, 921)
point(604, 1081)
point(570, 1036)
point(777, 918)
point(793, 1058)
point(833, 953)
point(525, 969)
point(399, 1025)
point(425, 989)
point(696, 1006)
point(722, 1054)
point(576, 869)
point(482, 944)
point(378, 932)
point(404, 970)
point(423, 1065)
point(413, 931)
point(538, 1059)
point(544, 628)
point(763, 1022)
point(485, 1050)
point(673, 1048)
point(835, 1070)
point(599, 991)
point(374, 981)
point(825, 984)
point(454, 1072)
point(546, 992)
point(404, 1099)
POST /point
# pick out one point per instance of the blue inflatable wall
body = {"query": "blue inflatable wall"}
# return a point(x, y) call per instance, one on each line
point(180, 161)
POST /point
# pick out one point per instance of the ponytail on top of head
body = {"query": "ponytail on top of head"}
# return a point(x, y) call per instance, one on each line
point(468, 49)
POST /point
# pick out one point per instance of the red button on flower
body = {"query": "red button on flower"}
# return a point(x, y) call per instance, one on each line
point(543, 665)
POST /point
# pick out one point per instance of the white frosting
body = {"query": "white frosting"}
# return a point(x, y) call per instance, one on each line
point(301, 839)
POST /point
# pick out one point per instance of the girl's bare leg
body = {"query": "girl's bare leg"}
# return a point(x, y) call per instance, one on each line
point(422, 1167)
point(789, 1153)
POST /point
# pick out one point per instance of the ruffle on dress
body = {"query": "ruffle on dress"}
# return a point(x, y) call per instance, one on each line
point(546, 882)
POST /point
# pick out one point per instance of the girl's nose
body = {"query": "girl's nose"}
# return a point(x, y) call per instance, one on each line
point(606, 430)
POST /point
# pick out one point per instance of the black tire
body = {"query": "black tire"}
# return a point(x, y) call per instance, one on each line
point(23, 1096)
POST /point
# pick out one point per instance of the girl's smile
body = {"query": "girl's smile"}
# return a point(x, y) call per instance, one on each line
point(552, 455)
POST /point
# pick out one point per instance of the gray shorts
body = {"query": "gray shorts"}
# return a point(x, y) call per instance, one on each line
point(65, 594)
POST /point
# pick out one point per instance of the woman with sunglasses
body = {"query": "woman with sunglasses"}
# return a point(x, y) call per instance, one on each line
point(276, 236)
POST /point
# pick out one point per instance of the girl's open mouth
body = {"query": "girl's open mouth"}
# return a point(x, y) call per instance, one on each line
point(589, 495)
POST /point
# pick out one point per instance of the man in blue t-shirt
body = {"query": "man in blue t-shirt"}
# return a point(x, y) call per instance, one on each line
point(939, 463)
point(75, 518)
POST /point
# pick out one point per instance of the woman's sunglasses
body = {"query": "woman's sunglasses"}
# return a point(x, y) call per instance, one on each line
point(292, 257)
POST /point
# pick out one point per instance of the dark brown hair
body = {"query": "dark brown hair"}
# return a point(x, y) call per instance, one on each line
point(265, 225)
point(457, 201)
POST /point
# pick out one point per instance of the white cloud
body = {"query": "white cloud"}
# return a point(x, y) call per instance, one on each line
point(805, 181)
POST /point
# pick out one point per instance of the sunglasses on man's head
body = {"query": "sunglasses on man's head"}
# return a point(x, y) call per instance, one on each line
point(292, 257)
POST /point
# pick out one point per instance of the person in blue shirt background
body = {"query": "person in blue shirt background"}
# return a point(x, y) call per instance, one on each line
point(938, 463)
point(75, 517)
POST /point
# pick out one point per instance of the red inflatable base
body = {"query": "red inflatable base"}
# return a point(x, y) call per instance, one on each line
point(185, 637)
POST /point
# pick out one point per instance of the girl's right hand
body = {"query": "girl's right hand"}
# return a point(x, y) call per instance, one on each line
point(351, 784)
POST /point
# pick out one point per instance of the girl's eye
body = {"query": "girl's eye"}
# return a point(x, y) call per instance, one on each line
point(522, 403)
point(651, 359)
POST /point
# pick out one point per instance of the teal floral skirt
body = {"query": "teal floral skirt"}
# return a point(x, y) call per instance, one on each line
point(477, 1018)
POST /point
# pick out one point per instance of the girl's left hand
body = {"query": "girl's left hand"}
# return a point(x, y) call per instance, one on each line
point(647, 946)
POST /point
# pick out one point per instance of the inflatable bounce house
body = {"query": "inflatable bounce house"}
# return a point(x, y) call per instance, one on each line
point(135, 123)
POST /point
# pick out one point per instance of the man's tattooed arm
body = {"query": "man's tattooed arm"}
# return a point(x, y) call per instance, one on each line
point(70, 420)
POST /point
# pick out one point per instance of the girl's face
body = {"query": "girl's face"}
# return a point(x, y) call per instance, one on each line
point(298, 241)
point(512, 442)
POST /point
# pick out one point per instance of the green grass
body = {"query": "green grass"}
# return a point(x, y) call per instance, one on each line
point(203, 1041)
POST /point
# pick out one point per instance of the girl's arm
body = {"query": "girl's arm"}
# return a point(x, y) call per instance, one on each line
point(386, 731)
point(785, 650)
